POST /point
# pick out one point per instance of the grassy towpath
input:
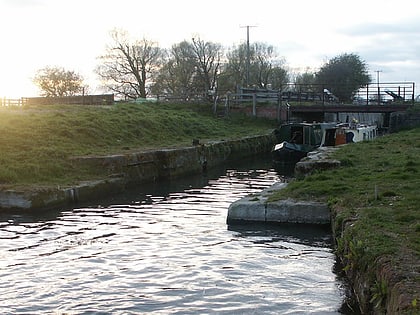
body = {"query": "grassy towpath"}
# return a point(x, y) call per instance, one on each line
point(37, 143)
point(375, 197)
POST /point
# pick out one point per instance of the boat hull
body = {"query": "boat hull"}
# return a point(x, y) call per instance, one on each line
point(287, 152)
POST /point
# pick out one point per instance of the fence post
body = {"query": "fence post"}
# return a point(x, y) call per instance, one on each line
point(215, 105)
point(367, 94)
point(227, 104)
point(412, 95)
point(254, 104)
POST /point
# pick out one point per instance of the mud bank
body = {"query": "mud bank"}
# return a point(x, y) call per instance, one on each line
point(121, 171)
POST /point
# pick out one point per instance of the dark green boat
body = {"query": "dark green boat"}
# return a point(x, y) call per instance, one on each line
point(295, 140)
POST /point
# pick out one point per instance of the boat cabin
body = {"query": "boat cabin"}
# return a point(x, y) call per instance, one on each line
point(300, 133)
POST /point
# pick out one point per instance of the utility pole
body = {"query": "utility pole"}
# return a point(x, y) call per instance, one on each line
point(379, 89)
point(247, 52)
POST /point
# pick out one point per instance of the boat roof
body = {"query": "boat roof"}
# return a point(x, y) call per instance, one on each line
point(323, 124)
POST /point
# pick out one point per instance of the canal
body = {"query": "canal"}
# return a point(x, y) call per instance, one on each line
point(166, 249)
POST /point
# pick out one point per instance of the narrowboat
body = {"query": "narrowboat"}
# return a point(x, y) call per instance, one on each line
point(295, 140)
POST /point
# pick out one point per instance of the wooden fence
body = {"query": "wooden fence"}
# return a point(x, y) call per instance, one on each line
point(103, 99)
point(12, 102)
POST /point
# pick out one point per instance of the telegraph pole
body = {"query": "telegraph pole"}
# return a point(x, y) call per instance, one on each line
point(247, 52)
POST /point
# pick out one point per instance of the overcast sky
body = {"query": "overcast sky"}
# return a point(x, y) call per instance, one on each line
point(306, 33)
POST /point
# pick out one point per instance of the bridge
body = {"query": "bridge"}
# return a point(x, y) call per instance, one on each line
point(312, 102)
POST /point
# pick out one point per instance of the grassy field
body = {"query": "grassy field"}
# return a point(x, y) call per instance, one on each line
point(376, 195)
point(37, 142)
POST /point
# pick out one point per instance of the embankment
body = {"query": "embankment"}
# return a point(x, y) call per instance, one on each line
point(383, 284)
point(124, 170)
point(385, 287)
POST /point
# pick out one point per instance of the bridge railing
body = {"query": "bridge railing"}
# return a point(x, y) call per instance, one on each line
point(323, 94)
point(386, 93)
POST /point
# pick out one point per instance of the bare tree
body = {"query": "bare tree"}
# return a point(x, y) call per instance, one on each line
point(265, 68)
point(127, 68)
point(306, 81)
point(234, 70)
point(191, 70)
point(176, 76)
point(208, 56)
point(58, 82)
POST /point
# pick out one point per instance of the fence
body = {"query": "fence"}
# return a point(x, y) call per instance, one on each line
point(12, 102)
point(103, 99)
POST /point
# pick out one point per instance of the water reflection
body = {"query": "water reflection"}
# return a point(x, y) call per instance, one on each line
point(307, 234)
point(166, 249)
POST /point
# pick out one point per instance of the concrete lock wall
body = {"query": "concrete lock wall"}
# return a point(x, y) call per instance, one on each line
point(123, 170)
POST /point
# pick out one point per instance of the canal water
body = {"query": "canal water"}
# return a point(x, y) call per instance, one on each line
point(166, 249)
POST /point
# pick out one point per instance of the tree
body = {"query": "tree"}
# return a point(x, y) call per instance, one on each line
point(305, 78)
point(306, 82)
point(265, 67)
point(344, 75)
point(234, 71)
point(208, 56)
point(128, 68)
point(58, 82)
point(192, 69)
point(176, 76)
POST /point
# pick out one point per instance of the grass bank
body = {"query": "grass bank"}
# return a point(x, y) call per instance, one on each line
point(37, 142)
point(375, 197)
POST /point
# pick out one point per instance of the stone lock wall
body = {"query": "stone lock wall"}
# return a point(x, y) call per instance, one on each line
point(122, 170)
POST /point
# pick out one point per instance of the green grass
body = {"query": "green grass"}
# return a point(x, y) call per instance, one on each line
point(379, 182)
point(375, 194)
point(37, 143)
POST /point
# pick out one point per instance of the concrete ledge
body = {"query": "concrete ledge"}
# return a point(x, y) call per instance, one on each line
point(317, 160)
point(54, 197)
point(14, 199)
point(256, 208)
point(247, 209)
point(290, 211)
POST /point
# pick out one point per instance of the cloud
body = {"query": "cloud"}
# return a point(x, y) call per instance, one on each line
point(402, 28)
point(391, 47)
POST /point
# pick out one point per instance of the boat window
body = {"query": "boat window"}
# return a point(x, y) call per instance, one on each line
point(296, 135)
point(307, 135)
point(329, 137)
point(318, 136)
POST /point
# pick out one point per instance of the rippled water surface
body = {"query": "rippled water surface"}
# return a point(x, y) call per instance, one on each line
point(166, 250)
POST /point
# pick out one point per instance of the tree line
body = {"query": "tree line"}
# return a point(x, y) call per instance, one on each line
point(196, 68)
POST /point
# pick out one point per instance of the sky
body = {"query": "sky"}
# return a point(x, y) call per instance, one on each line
point(72, 34)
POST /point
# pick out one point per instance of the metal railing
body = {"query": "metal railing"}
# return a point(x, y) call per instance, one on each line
point(323, 94)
